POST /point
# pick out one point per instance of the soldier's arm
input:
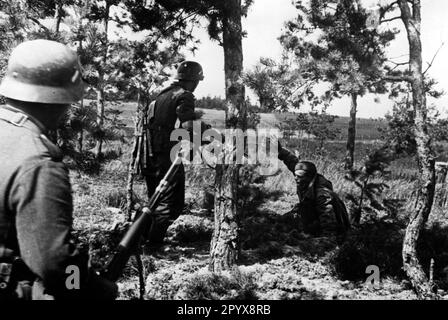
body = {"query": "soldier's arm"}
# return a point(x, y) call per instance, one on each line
point(185, 107)
point(43, 202)
point(186, 112)
point(288, 158)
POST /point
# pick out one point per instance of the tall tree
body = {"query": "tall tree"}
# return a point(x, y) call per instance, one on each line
point(225, 242)
point(345, 52)
point(411, 17)
point(224, 26)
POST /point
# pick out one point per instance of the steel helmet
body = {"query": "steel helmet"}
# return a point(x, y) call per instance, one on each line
point(43, 71)
point(190, 70)
point(305, 169)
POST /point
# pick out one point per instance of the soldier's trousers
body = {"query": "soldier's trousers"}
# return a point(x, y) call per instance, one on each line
point(171, 202)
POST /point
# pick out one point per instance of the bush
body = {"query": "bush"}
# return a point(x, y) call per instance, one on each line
point(85, 162)
point(373, 243)
point(116, 198)
point(433, 245)
point(195, 282)
point(189, 228)
point(223, 286)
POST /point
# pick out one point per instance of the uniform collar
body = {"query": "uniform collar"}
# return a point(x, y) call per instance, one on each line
point(28, 122)
point(175, 84)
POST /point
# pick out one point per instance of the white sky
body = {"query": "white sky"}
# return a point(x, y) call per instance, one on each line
point(264, 25)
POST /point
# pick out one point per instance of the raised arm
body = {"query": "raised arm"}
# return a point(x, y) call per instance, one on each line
point(288, 158)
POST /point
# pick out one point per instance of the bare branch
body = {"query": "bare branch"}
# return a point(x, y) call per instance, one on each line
point(389, 6)
point(398, 63)
point(36, 21)
point(391, 19)
point(433, 58)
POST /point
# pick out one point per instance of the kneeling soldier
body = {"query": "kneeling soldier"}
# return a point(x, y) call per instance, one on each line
point(319, 208)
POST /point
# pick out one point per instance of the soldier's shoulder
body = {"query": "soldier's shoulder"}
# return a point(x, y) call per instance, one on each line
point(182, 93)
point(40, 147)
point(323, 183)
point(48, 148)
point(176, 91)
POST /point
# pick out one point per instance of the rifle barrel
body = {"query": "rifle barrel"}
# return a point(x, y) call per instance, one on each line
point(131, 239)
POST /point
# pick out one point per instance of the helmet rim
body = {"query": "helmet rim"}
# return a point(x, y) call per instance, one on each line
point(30, 92)
point(189, 70)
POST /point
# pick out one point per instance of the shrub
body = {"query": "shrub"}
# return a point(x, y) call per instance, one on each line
point(433, 245)
point(116, 198)
point(233, 285)
point(373, 243)
point(189, 228)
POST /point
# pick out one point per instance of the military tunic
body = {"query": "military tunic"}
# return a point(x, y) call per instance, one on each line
point(36, 205)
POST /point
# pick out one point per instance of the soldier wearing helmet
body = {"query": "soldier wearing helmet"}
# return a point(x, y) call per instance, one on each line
point(174, 104)
point(319, 207)
point(42, 79)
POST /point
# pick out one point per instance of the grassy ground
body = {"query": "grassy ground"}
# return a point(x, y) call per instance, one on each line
point(277, 260)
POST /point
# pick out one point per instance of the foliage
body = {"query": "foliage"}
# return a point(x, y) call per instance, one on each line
point(375, 165)
point(212, 286)
point(376, 242)
point(192, 284)
point(208, 102)
point(279, 85)
point(189, 228)
point(79, 131)
point(318, 125)
point(400, 134)
point(214, 11)
point(333, 43)
point(141, 67)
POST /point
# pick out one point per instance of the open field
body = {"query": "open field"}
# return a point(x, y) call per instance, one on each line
point(367, 129)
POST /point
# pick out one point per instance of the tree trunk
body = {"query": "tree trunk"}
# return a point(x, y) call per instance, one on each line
point(99, 120)
point(80, 141)
point(351, 136)
point(412, 266)
point(225, 243)
point(58, 17)
point(135, 158)
point(100, 88)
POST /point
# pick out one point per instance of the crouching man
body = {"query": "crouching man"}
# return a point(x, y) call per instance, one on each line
point(319, 208)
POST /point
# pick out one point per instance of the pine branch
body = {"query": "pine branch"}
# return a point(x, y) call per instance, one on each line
point(397, 78)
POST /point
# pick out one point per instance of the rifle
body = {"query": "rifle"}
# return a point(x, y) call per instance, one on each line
point(131, 239)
